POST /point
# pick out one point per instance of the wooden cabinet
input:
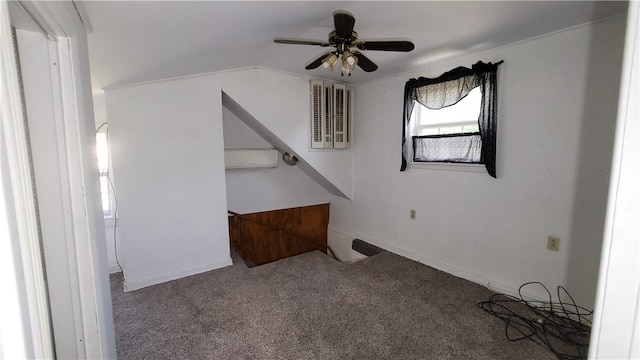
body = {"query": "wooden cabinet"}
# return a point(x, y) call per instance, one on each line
point(268, 236)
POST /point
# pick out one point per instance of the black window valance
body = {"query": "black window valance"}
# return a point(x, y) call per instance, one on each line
point(448, 89)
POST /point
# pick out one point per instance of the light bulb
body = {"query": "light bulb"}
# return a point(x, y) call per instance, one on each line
point(330, 61)
point(351, 59)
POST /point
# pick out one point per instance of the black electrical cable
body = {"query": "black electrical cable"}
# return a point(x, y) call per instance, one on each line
point(100, 127)
point(562, 327)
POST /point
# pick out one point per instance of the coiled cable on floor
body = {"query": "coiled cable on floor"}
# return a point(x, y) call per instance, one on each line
point(562, 327)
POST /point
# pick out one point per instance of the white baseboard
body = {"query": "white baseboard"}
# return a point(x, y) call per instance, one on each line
point(448, 268)
point(139, 284)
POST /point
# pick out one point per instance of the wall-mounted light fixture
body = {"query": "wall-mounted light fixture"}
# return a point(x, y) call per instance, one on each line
point(289, 159)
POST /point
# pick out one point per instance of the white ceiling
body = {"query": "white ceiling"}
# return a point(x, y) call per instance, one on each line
point(149, 40)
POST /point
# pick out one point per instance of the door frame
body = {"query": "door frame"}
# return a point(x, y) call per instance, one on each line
point(84, 267)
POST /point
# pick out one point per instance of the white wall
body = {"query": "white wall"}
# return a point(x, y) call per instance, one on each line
point(594, 158)
point(492, 231)
point(252, 190)
point(281, 103)
point(168, 161)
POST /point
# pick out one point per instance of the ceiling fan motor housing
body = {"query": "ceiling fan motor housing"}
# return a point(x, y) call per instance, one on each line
point(335, 40)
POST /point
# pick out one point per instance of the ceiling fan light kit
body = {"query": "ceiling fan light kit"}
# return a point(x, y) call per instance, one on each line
point(330, 61)
point(343, 38)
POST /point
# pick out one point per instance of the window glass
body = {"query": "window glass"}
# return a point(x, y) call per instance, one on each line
point(102, 149)
point(459, 118)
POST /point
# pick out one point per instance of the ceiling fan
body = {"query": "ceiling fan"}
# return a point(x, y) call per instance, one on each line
point(344, 39)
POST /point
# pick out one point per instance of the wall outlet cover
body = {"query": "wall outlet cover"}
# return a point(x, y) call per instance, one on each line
point(553, 243)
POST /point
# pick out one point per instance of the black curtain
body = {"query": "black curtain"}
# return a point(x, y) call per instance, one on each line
point(448, 89)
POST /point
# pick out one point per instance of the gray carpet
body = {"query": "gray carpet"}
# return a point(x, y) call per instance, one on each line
point(312, 307)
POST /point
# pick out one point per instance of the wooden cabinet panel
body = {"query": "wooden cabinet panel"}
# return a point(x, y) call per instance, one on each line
point(268, 236)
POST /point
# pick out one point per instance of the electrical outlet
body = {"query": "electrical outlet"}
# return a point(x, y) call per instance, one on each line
point(412, 214)
point(553, 243)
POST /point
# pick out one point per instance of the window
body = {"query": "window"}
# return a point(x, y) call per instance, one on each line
point(456, 119)
point(452, 118)
point(449, 134)
point(102, 148)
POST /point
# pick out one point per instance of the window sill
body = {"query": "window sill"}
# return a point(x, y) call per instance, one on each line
point(479, 168)
point(109, 221)
point(329, 149)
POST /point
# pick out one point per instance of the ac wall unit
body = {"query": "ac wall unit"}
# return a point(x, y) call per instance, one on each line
point(250, 158)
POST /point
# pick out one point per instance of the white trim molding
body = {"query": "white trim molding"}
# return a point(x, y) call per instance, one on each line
point(79, 261)
point(616, 333)
point(23, 224)
point(437, 264)
point(139, 284)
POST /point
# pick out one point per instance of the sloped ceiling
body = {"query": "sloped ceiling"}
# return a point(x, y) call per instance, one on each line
point(149, 40)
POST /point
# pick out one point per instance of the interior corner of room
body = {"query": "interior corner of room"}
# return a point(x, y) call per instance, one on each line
point(193, 144)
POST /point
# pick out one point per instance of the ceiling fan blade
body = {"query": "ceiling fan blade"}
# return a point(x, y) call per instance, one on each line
point(386, 45)
point(344, 25)
point(364, 62)
point(300, 42)
point(317, 62)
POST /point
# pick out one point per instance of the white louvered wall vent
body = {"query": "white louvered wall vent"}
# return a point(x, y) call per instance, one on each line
point(330, 115)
